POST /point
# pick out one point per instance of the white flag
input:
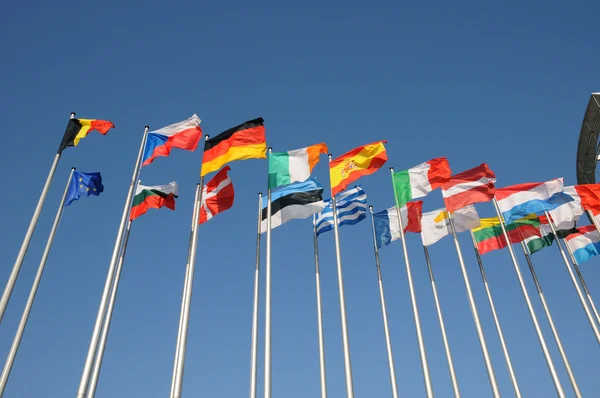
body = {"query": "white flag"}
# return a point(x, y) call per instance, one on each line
point(435, 224)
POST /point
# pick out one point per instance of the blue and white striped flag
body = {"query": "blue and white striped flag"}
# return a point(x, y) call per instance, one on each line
point(351, 208)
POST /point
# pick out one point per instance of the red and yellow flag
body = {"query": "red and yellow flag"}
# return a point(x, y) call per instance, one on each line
point(78, 129)
point(358, 162)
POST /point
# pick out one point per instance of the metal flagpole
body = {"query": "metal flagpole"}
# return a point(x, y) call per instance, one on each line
point(580, 276)
point(21, 329)
point(87, 369)
point(581, 298)
point(484, 349)
point(511, 371)
point(319, 313)
point(442, 326)
point(561, 350)
point(551, 368)
point(108, 318)
point(12, 279)
point(413, 298)
point(254, 347)
point(386, 329)
point(267, 389)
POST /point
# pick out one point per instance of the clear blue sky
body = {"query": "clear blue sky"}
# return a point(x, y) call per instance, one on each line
point(503, 83)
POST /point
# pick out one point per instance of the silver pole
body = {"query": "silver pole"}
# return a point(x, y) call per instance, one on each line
point(538, 330)
point(561, 350)
point(254, 348)
point(579, 294)
point(319, 313)
point(17, 340)
point(386, 328)
point(594, 221)
point(511, 371)
point(413, 298)
point(108, 318)
point(87, 369)
point(267, 389)
point(442, 326)
point(345, 339)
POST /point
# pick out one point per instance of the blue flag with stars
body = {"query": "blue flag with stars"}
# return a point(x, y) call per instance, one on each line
point(84, 184)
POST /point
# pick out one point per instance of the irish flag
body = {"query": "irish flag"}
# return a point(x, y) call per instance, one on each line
point(183, 135)
point(387, 226)
point(153, 197)
point(420, 180)
point(585, 244)
point(293, 166)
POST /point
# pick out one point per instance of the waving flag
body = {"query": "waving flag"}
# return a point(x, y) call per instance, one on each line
point(565, 214)
point(217, 195)
point(489, 235)
point(436, 224)
point(535, 243)
point(78, 129)
point(84, 184)
point(351, 207)
point(293, 166)
point(387, 226)
point(472, 186)
point(352, 165)
point(183, 135)
point(153, 197)
point(584, 244)
point(420, 180)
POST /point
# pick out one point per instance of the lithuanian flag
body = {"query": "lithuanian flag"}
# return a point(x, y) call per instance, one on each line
point(359, 162)
point(246, 141)
point(80, 128)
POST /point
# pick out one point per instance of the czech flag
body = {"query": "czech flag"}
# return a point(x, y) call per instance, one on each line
point(183, 135)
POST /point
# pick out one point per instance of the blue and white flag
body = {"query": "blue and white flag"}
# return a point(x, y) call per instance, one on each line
point(351, 209)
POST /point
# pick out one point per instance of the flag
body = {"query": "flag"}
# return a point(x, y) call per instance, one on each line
point(589, 196)
point(420, 180)
point(83, 184)
point(297, 200)
point(565, 214)
point(217, 195)
point(293, 166)
point(436, 224)
point(246, 141)
point(183, 135)
point(584, 244)
point(352, 165)
point(351, 206)
point(387, 226)
point(535, 243)
point(80, 128)
point(153, 197)
point(471, 186)
point(489, 235)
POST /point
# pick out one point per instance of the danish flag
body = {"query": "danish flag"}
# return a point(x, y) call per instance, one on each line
point(217, 196)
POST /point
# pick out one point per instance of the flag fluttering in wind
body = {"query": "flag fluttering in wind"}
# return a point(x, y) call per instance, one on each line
point(78, 129)
point(585, 243)
point(183, 135)
point(153, 197)
point(489, 235)
point(293, 166)
point(84, 184)
point(217, 195)
point(246, 141)
point(471, 186)
point(387, 226)
point(436, 224)
point(567, 213)
point(297, 200)
point(352, 165)
point(351, 206)
point(418, 181)
point(537, 243)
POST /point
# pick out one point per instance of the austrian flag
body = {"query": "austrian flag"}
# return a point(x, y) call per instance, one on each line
point(471, 186)
point(217, 196)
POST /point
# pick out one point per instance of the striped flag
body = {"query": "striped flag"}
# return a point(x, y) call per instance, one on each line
point(387, 226)
point(351, 209)
point(471, 186)
point(585, 244)
point(420, 180)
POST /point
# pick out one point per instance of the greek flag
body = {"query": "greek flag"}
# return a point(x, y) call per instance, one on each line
point(351, 208)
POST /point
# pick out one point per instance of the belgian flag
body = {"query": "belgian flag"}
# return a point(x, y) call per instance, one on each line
point(80, 128)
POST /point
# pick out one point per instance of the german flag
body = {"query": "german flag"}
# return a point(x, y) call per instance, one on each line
point(352, 165)
point(80, 128)
point(246, 141)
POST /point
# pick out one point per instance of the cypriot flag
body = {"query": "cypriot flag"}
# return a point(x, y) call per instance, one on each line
point(435, 225)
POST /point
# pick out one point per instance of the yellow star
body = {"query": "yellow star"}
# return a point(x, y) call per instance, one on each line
point(80, 185)
point(87, 189)
point(80, 178)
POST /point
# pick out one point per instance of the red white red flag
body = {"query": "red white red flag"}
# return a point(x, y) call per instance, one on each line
point(471, 186)
point(217, 195)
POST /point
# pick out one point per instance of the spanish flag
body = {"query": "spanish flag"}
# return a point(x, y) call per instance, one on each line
point(359, 162)
point(246, 141)
point(80, 128)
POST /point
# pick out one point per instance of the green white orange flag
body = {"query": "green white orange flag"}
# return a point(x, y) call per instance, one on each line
point(420, 180)
point(293, 166)
point(153, 197)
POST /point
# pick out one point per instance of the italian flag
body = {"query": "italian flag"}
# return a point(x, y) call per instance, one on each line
point(293, 166)
point(420, 180)
point(153, 197)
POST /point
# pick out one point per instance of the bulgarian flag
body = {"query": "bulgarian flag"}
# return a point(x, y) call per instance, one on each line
point(420, 180)
point(293, 166)
point(153, 197)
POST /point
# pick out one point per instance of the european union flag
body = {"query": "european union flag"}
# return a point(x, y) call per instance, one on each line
point(84, 184)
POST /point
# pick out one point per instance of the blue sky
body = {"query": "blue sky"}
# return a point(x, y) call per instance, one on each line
point(503, 83)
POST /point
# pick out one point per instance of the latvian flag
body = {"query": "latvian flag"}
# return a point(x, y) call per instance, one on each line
point(472, 186)
point(217, 196)
point(584, 244)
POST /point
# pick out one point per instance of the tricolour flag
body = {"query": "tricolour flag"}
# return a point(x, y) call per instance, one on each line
point(436, 224)
point(297, 200)
point(153, 197)
point(217, 195)
point(183, 135)
point(80, 128)
point(352, 165)
point(584, 244)
point(420, 180)
point(472, 186)
point(489, 235)
point(293, 166)
point(246, 141)
point(351, 206)
point(387, 226)
point(565, 214)
point(83, 184)
point(537, 243)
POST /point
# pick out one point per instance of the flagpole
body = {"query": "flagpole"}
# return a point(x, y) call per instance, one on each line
point(87, 369)
point(511, 371)
point(538, 330)
point(413, 298)
point(386, 329)
point(108, 318)
point(12, 279)
point(594, 221)
point(580, 277)
point(319, 313)
point(267, 376)
point(561, 350)
point(254, 347)
point(21, 329)
point(345, 339)
point(442, 326)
